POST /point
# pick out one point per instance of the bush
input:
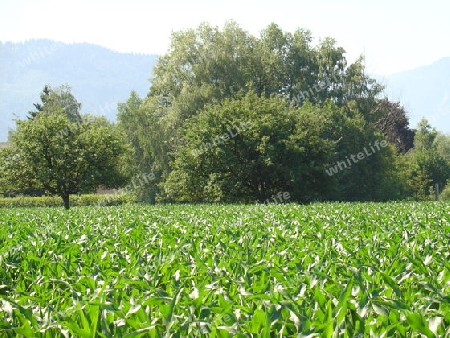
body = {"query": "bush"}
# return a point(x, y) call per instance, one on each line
point(75, 200)
point(445, 194)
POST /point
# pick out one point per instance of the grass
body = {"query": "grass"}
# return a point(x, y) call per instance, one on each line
point(322, 270)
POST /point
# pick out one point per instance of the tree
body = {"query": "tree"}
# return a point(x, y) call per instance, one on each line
point(442, 142)
point(392, 121)
point(144, 122)
point(17, 177)
point(66, 152)
point(248, 149)
point(59, 98)
point(39, 106)
point(207, 65)
point(428, 166)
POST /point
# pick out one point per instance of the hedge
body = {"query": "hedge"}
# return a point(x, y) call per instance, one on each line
point(75, 200)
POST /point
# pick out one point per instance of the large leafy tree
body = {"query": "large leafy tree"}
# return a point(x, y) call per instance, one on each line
point(146, 124)
point(206, 66)
point(64, 152)
point(251, 148)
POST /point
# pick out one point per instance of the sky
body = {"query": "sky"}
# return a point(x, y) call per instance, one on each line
point(393, 35)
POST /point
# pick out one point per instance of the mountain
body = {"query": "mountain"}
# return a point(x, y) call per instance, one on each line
point(100, 78)
point(424, 92)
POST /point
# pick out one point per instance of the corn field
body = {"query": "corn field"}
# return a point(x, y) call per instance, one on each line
point(319, 270)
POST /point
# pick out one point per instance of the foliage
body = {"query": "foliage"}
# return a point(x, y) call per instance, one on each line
point(445, 193)
point(442, 142)
point(375, 177)
point(322, 270)
point(58, 99)
point(393, 123)
point(16, 175)
point(40, 106)
point(298, 114)
point(208, 66)
point(75, 200)
point(429, 163)
point(146, 130)
point(249, 149)
point(66, 152)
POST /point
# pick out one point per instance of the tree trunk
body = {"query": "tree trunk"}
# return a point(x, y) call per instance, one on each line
point(66, 201)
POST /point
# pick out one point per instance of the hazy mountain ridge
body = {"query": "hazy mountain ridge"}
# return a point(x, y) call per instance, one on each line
point(100, 78)
point(424, 92)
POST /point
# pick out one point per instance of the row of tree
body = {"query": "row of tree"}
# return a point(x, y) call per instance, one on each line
point(235, 118)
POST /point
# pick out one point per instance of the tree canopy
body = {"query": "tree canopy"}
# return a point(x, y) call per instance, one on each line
point(302, 100)
point(62, 151)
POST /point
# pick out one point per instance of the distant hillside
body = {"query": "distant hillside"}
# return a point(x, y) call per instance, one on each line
point(100, 78)
point(424, 92)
